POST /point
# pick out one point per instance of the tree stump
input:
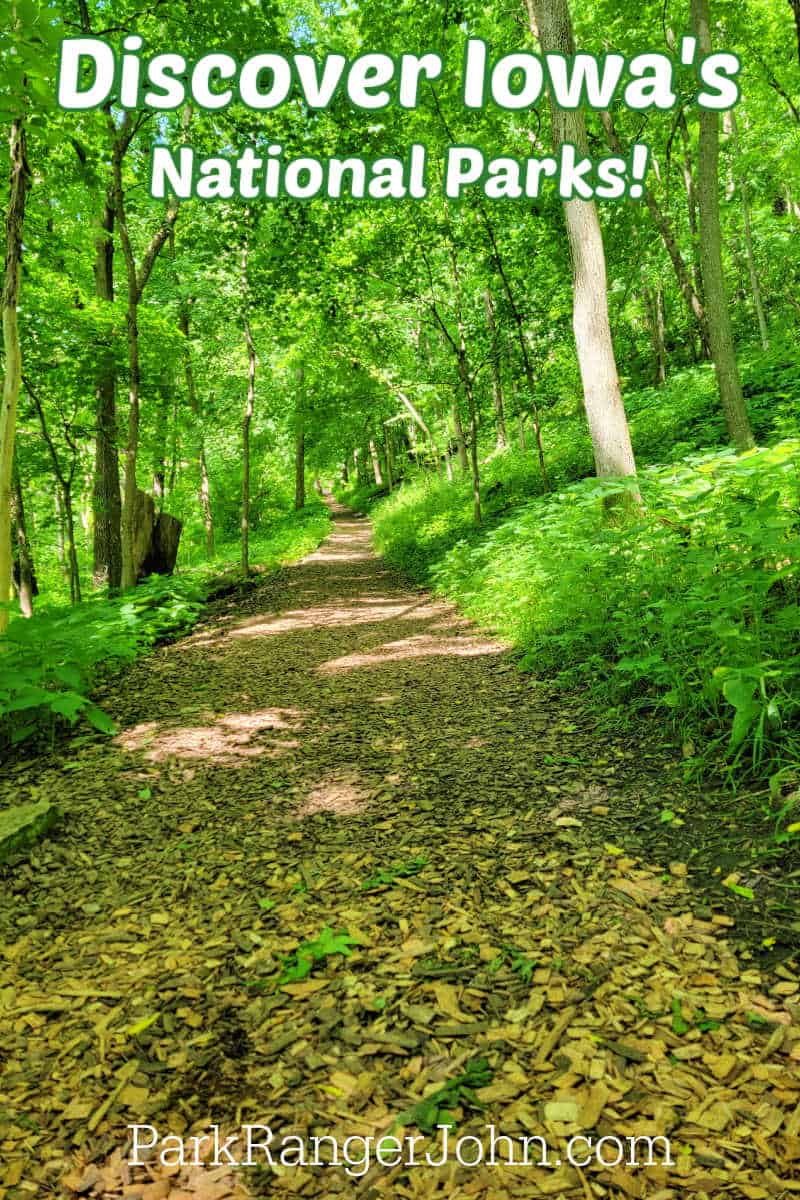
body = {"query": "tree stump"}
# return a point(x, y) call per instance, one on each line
point(156, 539)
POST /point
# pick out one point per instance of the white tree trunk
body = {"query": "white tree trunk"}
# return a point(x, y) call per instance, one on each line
point(605, 412)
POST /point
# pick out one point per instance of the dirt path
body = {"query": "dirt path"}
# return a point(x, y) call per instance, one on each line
point(342, 751)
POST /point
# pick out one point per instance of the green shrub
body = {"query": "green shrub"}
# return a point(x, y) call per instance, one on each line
point(691, 607)
point(287, 537)
point(48, 664)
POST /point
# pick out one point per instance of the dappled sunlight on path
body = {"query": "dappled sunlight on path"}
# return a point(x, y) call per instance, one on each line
point(339, 749)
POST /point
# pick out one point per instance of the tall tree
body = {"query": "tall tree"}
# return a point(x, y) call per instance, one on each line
point(107, 543)
point(740, 174)
point(12, 376)
point(689, 288)
point(65, 480)
point(24, 574)
point(204, 491)
point(247, 419)
point(497, 381)
point(608, 425)
point(300, 442)
point(106, 500)
point(795, 7)
point(137, 278)
point(720, 327)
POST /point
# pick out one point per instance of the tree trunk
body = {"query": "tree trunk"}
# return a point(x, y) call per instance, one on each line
point(137, 278)
point(161, 442)
point(690, 185)
point(376, 463)
point(690, 291)
point(660, 328)
point(72, 553)
point(654, 307)
point(461, 442)
point(720, 327)
point(752, 266)
point(175, 448)
point(345, 473)
point(65, 484)
point(387, 443)
point(107, 539)
point(523, 345)
point(795, 7)
point(25, 581)
point(12, 378)
point(300, 445)
point(473, 454)
point(497, 382)
point(246, 422)
point(106, 500)
point(417, 422)
point(60, 534)
point(467, 383)
point(204, 494)
point(130, 451)
point(605, 412)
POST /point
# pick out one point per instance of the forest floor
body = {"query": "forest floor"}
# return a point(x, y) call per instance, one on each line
point(338, 751)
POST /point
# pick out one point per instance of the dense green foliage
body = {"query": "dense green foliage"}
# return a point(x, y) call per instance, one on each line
point(48, 666)
point(417, 348)
point(691, 609)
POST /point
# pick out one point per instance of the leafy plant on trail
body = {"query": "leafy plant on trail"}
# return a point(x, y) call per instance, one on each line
point(435, 1109)
point(301, 962)
point(518, 963)
point(386, 876)
point(682, 1025)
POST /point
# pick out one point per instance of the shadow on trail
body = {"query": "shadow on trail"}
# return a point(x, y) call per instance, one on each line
point(285, 769)
point(354, 677)
point(332, 690)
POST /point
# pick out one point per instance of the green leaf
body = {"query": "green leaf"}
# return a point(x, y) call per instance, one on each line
point(100, 720)
point(68, 704)
point(680, 1025)
point(385, 877)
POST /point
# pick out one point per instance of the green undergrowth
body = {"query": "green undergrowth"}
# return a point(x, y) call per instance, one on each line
point(49, 665)
point(689, 609)
point(667, 425)
point(284, 539)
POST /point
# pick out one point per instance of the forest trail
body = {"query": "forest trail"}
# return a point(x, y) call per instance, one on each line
point(340, 750)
